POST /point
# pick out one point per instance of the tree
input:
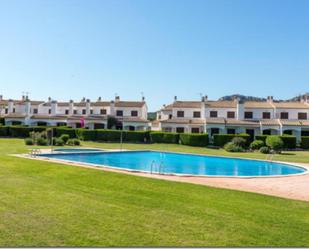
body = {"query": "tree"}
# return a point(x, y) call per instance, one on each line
point(275, 143)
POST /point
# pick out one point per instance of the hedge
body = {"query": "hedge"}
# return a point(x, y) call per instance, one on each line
point(58, 131)
point(194, 139)
point(305, 142)
point(86, 134)
point(108, 135)
point(23, 131)
point(136, 136)
point(164, 137)
point(289, 141)
point(261, 137)
point(4, 131)
point(222, 139)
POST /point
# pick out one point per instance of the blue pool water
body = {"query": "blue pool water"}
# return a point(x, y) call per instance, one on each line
point(182, 163)
point(77, 150)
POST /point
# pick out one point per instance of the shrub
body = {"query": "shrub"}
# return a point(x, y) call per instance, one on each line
point(231, 147)
point(265, 150)
point(164, 137)
point(305, 142)
point(274, 142)
point(4, 131)
point(222, 139)
point(109, 135)
point(239, 141)
point(29, 141)
point(289, 141)
point(86, 134)
point(256, 144)
point(73, 142)
point(57, 141)
point(41, 141)
point(261, 137)
point(194, 139)
point(65, 138)
point(58, 131)
point(135, 136)
point(19, 131)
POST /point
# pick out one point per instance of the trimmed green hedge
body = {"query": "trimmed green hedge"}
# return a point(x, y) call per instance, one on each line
point(289, 141)
point(4, 131)
point(86, 134)
point(194, 139)
point(108, 135)
point(222, 139)
point(261, 137)
point(23, 131)
point(305, 142)
point(58, 131)
point(164, 137)
point(136, 136)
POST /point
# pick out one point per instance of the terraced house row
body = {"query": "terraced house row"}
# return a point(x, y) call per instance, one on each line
point(230, 117)
point(131, 115)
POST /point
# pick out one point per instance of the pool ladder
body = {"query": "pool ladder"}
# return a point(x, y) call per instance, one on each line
point(156, 168)
point(35, 152)
point(270, 157)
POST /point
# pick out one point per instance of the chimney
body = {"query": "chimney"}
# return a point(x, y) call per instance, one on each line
point(83, 99)
point(1, 97)
point(175, 98)
point(204, 98)
point(88, 107)
point(27, 106)
point(23, 98)
point(112, 108)
point(10, 106)
point(143, 99)
point(99, 99)
point(240, 109)
point(54, 107)
point(71, 107)
point(49, 99)
point(270, 99)
point(117, 98)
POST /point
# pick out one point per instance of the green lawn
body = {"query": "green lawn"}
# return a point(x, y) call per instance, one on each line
point(47, 204)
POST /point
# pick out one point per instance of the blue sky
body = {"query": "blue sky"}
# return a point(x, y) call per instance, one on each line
point(73, 49)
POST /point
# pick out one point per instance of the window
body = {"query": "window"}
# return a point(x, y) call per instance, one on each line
point(170, 116)
point(91, 112)
point(302, 115)
point(231, 131)
point(6, 110)
point(119, 113)
point(266, 115)
point(195, 130)
point(214, 131)
point(248, 115)
point(49, 111)
point(180, 114)
point(35, 111)
point(196, 115)
point(103, 111)
point(180, 129)
point(159, 116)
point(84, 111)
point(134, 113)
point(75, 112)
point(231, 115)
point(213, 114)
point(284, 115)
point(14, 110)
point(66, 112)
point(267, 132)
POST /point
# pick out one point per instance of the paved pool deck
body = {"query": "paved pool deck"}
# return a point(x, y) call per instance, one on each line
point(291, 187)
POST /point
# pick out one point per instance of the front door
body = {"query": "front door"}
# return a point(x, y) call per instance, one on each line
point(250, 132)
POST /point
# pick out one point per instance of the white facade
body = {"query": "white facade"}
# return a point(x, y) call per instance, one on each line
point(131, 115)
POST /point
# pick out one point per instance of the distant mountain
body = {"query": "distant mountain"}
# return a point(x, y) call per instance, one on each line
point(242, 98)
point(253, 98)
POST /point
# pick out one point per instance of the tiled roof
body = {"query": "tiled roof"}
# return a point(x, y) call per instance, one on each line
point(221, 104)
point(242, 122)
point(51, 117)
point(134, 119)
point(136, 104)
point(290, 122)
point(291, 105)
point(258, 105)
point(100, 103)
point(15, 115)
point(183, 121)
point(215, 121)
point(269, 122)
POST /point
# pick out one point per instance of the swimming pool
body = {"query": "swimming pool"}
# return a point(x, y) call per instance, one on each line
point(183, 164)
point(70, 150)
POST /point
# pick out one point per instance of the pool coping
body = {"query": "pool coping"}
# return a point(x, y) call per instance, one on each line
point(102, 166)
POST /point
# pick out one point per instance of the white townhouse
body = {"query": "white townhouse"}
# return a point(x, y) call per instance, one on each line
point(131, 115)
point(232, 117)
